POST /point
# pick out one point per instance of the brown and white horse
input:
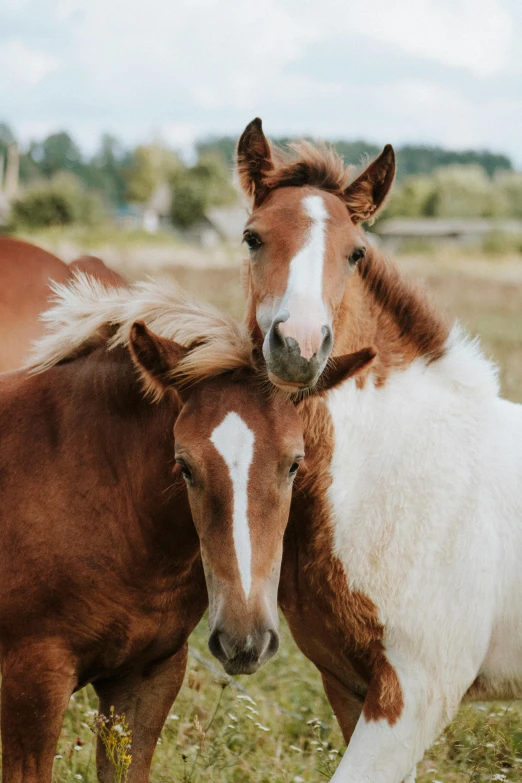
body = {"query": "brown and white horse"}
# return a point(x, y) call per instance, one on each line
point(401, 573)
point(25, 275)
point(116, 508)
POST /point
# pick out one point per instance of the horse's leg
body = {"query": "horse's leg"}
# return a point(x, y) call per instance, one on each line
point(347, 706)
point(146, 698)
point(37, 682)
point(387, 743)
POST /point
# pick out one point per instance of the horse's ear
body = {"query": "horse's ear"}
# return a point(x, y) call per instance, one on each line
point(342, 367)
point(254, 160)
point(155, 358)
point(367, 193)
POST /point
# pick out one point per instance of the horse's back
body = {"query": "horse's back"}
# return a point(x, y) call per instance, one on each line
point(25, 272)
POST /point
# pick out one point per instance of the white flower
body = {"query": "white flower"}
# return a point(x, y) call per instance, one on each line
point(263, 728)
point(118, 728)
point(244, 697)
point(298, 779)
point(173, 717)
point(58, 756)
point(294, 747)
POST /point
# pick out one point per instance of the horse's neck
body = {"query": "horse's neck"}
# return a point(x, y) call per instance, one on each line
point(126, 442)
point(383, 309)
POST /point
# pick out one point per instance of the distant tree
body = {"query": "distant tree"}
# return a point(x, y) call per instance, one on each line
point(196, 188)
point(507, 193)
point(108, 170)
point(223, 147)
point(424, 160)
point(6, 138)
point(58, 152)
point(60, 201)
point(151, 165)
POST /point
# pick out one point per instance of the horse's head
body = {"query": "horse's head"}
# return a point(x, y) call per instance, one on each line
point(238, 445)
point(305, 241)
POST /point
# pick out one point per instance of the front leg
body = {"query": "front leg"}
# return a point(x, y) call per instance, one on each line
point(146, 698)
point(37, 682)
point(387, 743)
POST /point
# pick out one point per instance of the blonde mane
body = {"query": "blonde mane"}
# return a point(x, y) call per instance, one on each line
point(88, 313)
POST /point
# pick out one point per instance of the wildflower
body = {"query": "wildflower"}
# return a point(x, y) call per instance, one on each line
point(232, 716)
point(58, 756)
point(294, 747)
point(244, 697)
point(252, 710)
point(173, 717)
point(298, 779)
point(263, 728)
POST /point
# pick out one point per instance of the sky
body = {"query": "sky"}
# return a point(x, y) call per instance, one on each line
point(443, 72)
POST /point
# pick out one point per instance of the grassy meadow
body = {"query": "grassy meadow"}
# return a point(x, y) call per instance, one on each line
point(277, 727)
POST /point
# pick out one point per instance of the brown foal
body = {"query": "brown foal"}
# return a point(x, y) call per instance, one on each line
point(117, 507)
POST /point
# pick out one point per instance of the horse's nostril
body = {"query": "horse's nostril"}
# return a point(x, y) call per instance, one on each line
point(215, 645)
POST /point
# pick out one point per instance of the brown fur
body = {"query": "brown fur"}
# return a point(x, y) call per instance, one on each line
point(25, 275)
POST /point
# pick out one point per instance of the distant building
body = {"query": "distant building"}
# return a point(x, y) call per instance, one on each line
point(220, 224)
point(398, 233)
point(151, 216)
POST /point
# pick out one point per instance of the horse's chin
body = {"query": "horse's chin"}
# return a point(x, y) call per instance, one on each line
point(287, 386)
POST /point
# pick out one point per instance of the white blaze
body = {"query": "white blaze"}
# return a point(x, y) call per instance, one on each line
point(305, 280)
point(235, 442)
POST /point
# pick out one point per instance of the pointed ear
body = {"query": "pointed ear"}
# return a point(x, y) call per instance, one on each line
point(155, 358)
point(342, 367)
point(254, 160)
point(367, 193)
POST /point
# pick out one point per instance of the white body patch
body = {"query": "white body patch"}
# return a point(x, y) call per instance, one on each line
point(235, 442)
point(426, 502)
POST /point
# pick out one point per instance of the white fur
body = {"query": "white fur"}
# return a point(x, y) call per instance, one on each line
point(235, 442)
point(305, 279)
point(426, 500)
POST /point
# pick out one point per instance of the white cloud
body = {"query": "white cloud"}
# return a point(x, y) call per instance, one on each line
point(25, 66)
point(197, 67)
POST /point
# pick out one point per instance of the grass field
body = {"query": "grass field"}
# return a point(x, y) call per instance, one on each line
point(277, 726)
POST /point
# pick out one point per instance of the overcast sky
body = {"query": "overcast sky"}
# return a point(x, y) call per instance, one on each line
point(431, 71)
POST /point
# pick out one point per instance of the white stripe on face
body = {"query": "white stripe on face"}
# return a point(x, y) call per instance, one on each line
point(235, 442)
point(303, 298)
point(306, 267)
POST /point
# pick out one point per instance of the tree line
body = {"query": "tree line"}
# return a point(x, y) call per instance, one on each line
point(60, 184)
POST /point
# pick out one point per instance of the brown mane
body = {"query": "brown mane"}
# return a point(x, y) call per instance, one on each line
point(416, 320)
point(302, 163)
point(88, 313)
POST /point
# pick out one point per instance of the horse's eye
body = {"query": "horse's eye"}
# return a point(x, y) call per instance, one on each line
point(356, 256)
point(253, 242)
point(293, 470)
point(185, 471)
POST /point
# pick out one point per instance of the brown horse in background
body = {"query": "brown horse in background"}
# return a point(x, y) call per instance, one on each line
point(25, 273)
point(116, 509)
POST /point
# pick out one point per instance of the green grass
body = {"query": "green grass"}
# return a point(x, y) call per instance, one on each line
point(277, 727)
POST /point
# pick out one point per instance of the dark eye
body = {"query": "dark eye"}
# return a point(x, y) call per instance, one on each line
point(294, 468)
point(252, 241)
point(356, 256)
point(185, 471)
